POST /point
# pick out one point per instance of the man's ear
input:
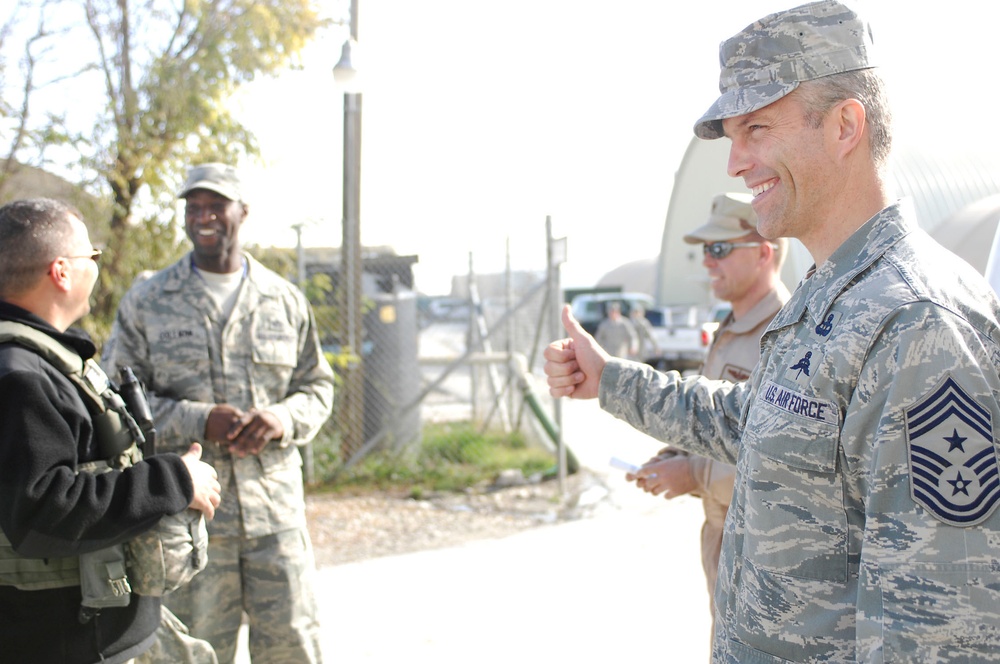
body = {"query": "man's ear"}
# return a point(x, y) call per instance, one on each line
point(848, 125)
point(766, 252)
point(59, 274)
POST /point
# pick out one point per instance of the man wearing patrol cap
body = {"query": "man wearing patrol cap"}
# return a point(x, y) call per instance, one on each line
point(864, 522)
point(229, 354)
point(744, 270)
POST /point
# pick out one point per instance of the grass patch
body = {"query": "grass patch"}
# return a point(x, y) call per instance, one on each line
point(453, 456)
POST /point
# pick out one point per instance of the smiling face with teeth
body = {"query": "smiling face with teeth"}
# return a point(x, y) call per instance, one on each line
point(783, 156)
point(212, 223)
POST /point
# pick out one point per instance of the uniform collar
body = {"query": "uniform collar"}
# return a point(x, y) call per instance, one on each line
point(765, 309)
point(817, 293)
point(74, 337)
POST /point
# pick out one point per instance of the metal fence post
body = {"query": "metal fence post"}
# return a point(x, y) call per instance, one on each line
point(556, 256)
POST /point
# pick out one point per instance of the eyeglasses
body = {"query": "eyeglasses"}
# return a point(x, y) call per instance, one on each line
point(719, 250)
point(95, 255)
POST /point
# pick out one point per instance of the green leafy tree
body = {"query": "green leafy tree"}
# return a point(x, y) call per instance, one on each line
point(168, 69)
point(165, 69)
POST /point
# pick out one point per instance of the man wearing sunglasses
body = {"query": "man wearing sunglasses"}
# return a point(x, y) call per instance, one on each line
point(63, 500)
point(864, 524)
point(744, 270)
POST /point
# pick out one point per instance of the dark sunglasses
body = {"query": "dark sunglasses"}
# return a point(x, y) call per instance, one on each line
point(719, 250)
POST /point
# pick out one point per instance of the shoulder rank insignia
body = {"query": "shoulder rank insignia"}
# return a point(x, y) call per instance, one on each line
point(953, 462)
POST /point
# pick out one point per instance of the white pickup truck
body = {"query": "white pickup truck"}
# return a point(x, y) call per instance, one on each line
point(683, 335)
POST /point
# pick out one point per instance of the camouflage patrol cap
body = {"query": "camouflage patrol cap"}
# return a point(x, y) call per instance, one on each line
point(731, 217)
point(770, 57)
point(220, 178)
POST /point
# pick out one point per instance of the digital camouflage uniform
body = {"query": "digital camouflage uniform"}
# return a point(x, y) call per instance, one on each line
point(266, 356)
point(733, 354)
point(863, 525)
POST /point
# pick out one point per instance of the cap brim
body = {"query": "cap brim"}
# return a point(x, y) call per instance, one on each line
point(222, 190)
point(700, 237)
point(739, 101)
point(715, 232)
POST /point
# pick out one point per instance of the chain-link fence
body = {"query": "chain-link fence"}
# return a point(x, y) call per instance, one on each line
point(456, 376)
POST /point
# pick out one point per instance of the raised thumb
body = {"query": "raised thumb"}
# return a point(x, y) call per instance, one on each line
point(572, 325)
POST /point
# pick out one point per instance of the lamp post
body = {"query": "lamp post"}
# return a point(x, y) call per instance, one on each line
point(352, 401)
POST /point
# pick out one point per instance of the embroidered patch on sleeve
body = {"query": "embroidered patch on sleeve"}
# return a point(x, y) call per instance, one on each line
point(953, 462)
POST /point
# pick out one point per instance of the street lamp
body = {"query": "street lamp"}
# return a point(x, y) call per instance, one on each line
point(345, 72)
point(352, 404)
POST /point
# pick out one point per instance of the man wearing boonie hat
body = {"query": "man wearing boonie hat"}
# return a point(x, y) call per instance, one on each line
point(864, 523)
point(229, 353)
point(744, 270)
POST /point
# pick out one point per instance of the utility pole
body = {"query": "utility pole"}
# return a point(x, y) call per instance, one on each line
point(352, 403)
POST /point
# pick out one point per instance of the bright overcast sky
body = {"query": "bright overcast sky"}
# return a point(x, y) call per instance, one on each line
point(482, 117)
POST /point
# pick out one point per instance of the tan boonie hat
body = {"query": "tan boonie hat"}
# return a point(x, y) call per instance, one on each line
point(769, 58)
point(220, 178)
point(731, 218)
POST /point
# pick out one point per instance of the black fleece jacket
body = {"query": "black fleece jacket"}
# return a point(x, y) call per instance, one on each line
point(48, 510)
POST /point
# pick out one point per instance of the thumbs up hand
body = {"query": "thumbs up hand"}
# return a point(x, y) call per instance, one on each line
point(574, 365)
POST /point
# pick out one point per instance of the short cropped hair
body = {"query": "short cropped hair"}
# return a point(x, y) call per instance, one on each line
point(33, 232)
point(865, 85)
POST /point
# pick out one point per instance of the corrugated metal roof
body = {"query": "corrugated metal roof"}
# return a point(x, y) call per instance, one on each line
point(942, 182)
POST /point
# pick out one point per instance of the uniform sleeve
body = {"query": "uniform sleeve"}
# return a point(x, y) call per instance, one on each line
point(698, 415)
point(50, 509)
point(309, 400)
point(920, 453)
point(715, 479)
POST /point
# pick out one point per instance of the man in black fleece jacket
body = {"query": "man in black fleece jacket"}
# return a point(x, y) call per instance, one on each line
point(49, 511)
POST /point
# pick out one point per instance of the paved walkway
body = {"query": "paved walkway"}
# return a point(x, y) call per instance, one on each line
point(625, 584)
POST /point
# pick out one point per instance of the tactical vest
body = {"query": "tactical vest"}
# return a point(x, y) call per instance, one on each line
point(115, 433)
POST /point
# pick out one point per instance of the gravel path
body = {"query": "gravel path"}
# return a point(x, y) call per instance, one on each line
point(351, 528)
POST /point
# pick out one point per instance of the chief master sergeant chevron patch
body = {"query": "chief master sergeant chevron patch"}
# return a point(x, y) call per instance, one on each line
point(953, 462)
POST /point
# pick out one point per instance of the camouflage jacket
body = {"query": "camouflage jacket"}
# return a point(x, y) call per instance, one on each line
point(863, 525)
point(733, 354)
point(266, 356)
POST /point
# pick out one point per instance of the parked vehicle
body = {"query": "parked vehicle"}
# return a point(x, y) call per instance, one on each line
point(683, 334)
point(591, 308)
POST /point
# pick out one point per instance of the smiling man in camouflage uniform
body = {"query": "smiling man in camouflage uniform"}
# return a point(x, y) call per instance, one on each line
point(864, 523)
point(229, 353)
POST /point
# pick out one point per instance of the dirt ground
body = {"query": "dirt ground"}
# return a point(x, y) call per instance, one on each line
point(350, 528)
